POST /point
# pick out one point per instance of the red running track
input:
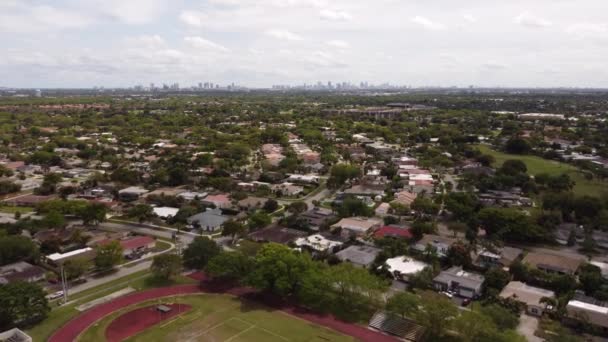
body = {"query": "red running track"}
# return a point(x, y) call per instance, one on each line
point(135, 321)
point(71, 330)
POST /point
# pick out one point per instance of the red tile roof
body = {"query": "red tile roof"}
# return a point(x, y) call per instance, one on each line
point(137, 242)
point(391, 231)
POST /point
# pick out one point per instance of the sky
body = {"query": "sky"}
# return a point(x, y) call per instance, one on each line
point(258, 43)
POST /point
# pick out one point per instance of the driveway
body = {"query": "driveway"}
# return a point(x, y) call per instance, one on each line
point(527, 327)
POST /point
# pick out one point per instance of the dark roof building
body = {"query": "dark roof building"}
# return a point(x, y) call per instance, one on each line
point(277, 234)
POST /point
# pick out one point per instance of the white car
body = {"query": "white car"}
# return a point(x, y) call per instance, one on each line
point(447, 294)
point(55, 295)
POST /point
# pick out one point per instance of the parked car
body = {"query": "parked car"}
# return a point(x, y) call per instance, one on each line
point(55, 295)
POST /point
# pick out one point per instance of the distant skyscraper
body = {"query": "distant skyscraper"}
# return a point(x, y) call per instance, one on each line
point(38, 93)
point(200, 85)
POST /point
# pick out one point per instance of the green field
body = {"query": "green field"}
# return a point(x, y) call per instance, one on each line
point(538, 165)
point(62, 314)
point(222, 318)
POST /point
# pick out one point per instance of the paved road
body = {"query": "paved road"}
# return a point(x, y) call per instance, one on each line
point(121, 272)
point(320, 196)
point(157, 231)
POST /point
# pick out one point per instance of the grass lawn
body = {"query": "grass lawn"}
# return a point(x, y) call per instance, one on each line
point(216, 317)
point(11, 209)
point(538, 165)
point(62, 314)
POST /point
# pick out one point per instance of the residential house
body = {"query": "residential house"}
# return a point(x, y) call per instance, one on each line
point(382, 209)
point(441, 244)
point(252, 203)
point(532, 297)
point(317, 217)
point(15, 335)
point(393, 231)
point(132, 193)
point(191, 195)
point(21, 271)
point(461, 283)
point(587, 310)
point(554, 263)
point(405, 198)
point(209, 220)
point(287, 189)
point(403, 267)
point(29, 200)
point(360, 256)
point(277, 234)
point(165, 212)
point(221, 201)
point(318, 243)
point(500, 257)
point(357, 226)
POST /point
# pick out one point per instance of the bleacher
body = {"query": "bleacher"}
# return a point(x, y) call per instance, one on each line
point(397, 326)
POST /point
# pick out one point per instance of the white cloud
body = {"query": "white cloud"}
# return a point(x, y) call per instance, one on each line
point(133, 11)
point(283, 34)
point(335, 15)
point(192, 18)
point(427, 23)
point(202, 43)
point(20, 18)
point(469, 17)
point(587, 29)
point(146, 41)
point(338, 44)
point(529, 20)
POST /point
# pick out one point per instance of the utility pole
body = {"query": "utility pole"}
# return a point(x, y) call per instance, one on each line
point(64, 284)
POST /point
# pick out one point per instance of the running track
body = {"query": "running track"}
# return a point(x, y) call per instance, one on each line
point(71, 330)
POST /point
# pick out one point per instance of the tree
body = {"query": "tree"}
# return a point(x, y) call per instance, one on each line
point(425, 206)
point(297, 207)
point(259, 220)
point(166, 266)
point(518, 146)
point(474, 327)
point(496, 279)
point(76, 268)
point(15, 247)
point(54, 220)
point(340, 173)
point(108, 256)
point(141, 212)
point(513, 167)
point(403, 304)
point(233, 228)
point(22, 303)
point(502, 317)
point(278, 269)
point(93, 213)
point(270, 206)
point(459, 254)
point(352, 206)
point(230, 265)
point(437, 314)
point(199, 252)
point(357, 292)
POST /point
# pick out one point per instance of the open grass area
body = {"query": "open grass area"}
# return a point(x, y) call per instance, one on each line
point(538, 165)
point(12, 209)
point(216, 317)
point(62, 314)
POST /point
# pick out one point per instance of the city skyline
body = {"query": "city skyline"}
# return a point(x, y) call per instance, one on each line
point(70, 44)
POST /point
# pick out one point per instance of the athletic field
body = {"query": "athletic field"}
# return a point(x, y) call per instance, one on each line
point(217, 317)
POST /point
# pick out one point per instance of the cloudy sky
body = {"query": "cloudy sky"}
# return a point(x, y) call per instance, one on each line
point(76, 43)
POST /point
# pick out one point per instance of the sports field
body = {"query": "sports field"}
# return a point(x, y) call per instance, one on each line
point(217, 317)
point(538, 165)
